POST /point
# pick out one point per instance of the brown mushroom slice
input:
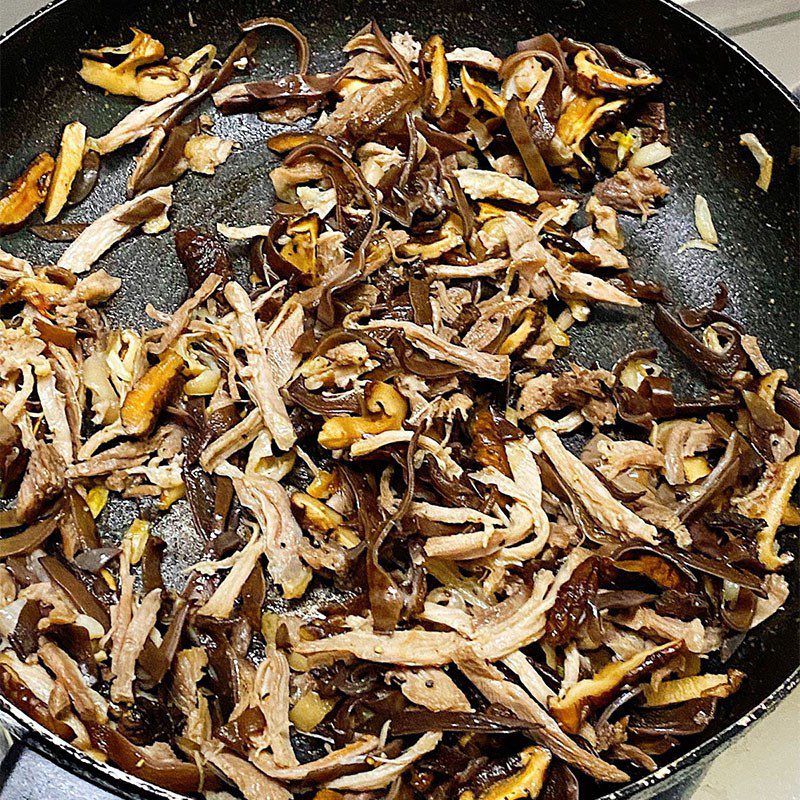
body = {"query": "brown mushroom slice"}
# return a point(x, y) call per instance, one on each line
point(527, 780)
point(150, 83)
point(693, 688)
point(300, 252)
point(590, 693)
point(527, 329)
point(480, 93)
point(579, 118)
point(595, 76)
point(450, 237)
point(314, 514)
point(68, 163)
point(39, 292)
point(768, 501)
point(440, 77)
point(386, 410)
point(26, 193)
point(150, 394)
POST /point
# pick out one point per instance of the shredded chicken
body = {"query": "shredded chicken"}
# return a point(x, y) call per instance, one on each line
point(271, 687)
point(381, 776)
point(43, 481)
point(634, 190)
point(251, 782)
point(257, 373)
point(133, 640)
point(114, 225)
point(610, 514)
point(279, 538)
point(490, 682)
point(481, 364)
point(352, 754)
point(412, 648)
point(188, 670)
point(89, 705)
point(432, 689)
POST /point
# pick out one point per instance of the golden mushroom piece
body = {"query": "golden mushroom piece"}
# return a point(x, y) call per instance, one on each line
point(571, 709)
point(26, 193)
point(598, 77)
point(132, 76)
point(386, 409)
point(150, 394)
point(526, 781)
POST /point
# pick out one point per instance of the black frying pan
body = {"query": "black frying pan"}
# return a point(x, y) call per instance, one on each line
point(716, 92)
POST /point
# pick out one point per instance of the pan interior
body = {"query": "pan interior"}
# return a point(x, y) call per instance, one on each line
point(713, 95)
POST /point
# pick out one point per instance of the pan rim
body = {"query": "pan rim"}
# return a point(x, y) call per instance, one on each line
point(695, 760)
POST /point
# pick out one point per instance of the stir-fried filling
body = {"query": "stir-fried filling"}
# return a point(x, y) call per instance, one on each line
point(414, 582)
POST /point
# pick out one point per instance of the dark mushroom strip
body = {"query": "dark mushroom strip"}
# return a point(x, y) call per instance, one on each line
point(86, 179)
point(58, 231)
point(202, 255)
point(721, 366)
point(301, 43)
point(169, 773)
point(521, 134)
point(77, 525)
point(339, 405)
point(168, 163)
point(686, 719)
point(414, 722)
point(29, 539)
point(75, 588)
point(238, 98)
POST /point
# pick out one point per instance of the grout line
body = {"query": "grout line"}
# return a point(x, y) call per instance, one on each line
point(762, 24)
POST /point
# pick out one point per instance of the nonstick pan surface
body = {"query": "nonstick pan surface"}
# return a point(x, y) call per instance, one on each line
point(714, 91)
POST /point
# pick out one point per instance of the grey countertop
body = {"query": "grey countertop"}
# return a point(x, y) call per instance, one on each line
point(765, 763)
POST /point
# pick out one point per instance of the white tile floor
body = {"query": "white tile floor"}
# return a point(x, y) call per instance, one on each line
point(777, 47)
point(765, 763)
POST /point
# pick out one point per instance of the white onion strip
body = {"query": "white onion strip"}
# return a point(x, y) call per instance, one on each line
point(764, 159)
point(703, 221)
point(649, 155)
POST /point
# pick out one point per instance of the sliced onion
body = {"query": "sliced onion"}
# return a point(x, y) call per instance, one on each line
point(653, 153)
point(751, 142)
point(697, 244)
point(703, 221)
point(248, 232)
